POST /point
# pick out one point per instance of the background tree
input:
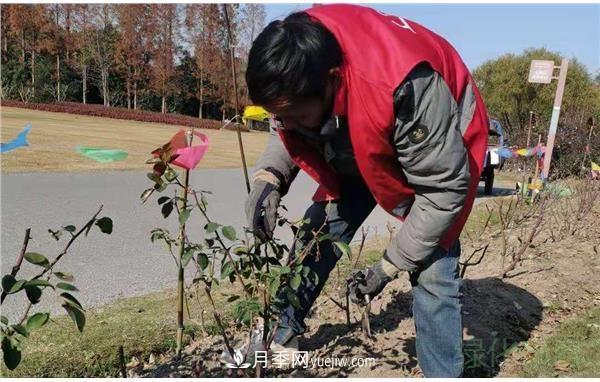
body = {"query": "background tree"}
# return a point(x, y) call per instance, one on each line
point(166, 24)
point(509, 98)
point(82, 37)
point(103, 51)
point(200, 28)
point(133, 44)
point(252, 21)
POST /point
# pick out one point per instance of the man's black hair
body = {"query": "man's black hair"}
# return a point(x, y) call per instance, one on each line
point(290, 59)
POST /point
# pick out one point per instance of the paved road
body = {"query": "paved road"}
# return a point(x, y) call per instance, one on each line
point(125, 263)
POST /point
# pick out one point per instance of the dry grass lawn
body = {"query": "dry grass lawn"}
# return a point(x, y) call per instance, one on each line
point(54, 136)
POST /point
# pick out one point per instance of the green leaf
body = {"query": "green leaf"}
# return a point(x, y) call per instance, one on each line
point(105, 224)
point(211, 227)
point(12, 355)
point(70, 228)
point(226, 270)
point(292, 298)
point(204, 201)
point(76, 314)
point(229, 232)
point(295, 281)
point(4, 320)
point(232, 298)
point(344, 248)
point(153, 177)
point(64, 276)
point(146, 194)
point(69, 297)
point(274, 285)
point(17, 287)
point(21, 330)
point(33, 293)
point(170, 175)
point(245, 308)
point(7, 282)
point(314, 277)
point(240, 250)
point(37, 259)
point(166, 210)
point(184, 216)
point(324, 237)
point(163, 199)
point(186, 257)
point(66, 286)
point(153, 161)
point(37, 321)
point(305, 270)
point(285, 270)
point(39, 283)
point(202, 261)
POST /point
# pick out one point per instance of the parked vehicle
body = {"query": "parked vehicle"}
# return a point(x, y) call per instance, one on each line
point(493, 159)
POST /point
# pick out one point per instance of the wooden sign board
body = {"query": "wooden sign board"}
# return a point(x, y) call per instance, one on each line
point(540, 71)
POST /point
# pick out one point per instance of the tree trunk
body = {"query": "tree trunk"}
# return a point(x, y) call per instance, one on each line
point(58, 78)
point(128, 93)
point(23, 48)
point(84, 80)
point(200, 114)
point(164, 104)
point(105, 87)
point(68, 28)
point(223, 113)
point(33, 72)
point(135, 89)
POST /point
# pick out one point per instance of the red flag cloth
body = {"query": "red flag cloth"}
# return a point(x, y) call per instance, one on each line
point(184, 156)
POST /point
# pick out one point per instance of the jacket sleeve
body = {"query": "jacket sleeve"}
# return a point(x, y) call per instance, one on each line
point(430, 148)
point(275, 165)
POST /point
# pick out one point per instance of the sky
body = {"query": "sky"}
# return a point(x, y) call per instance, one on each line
point(485, 31)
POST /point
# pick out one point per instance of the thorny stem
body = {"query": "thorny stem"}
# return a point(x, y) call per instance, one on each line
point(225, 248)
point(362, 245)
point(534, 231)
point(73, 238)
point(180, 269)
point(503, 232)
point(17, 266)
point(219, 322)
point(28, 308)
point(467, 263)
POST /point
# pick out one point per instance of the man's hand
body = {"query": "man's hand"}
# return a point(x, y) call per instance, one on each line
point(261, 208)
point(371, 281)
point(363, 283)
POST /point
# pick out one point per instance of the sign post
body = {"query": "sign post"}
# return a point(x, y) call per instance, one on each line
point(541, 72)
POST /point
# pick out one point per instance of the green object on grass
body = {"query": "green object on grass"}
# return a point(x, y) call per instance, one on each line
point(558, 190)
point(102, 155)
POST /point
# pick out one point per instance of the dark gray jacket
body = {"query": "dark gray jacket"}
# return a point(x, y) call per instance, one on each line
point(431, 152)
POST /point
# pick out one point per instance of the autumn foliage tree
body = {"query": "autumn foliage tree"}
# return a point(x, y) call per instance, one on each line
point(166, 24)
point(133, 45)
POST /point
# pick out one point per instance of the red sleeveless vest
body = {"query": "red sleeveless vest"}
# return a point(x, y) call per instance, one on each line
point(379, 52)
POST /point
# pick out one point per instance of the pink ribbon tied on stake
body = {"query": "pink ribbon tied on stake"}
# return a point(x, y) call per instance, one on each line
point(184, 156)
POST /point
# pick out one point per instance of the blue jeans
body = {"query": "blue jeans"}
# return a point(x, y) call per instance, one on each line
point(436, 288)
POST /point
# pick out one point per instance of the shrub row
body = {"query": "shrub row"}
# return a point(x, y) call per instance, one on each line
point(121, 113)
